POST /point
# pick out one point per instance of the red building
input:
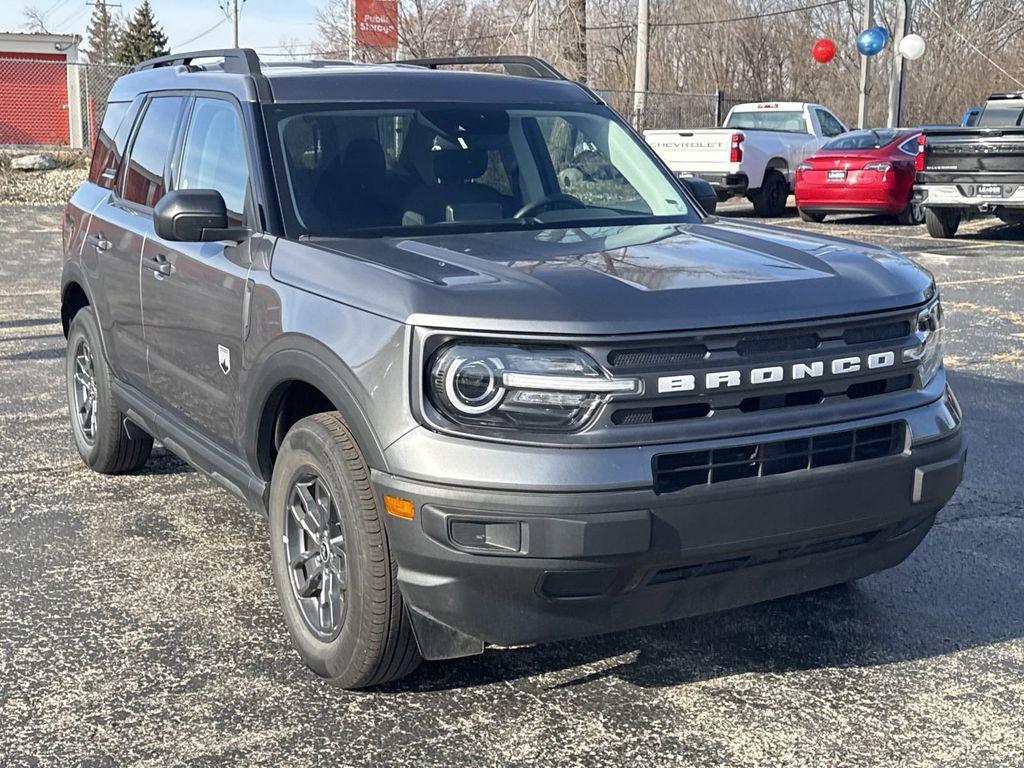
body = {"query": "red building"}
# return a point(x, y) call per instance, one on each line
point(39, 92)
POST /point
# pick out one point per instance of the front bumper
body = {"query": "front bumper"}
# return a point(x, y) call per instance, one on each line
point(558, 564)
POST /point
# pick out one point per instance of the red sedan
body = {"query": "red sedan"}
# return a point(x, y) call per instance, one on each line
point(860, 172)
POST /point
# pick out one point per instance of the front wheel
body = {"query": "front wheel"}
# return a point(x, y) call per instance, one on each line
point(105, 441)
point(334, 572)
point(942, 222)
point(770, 200)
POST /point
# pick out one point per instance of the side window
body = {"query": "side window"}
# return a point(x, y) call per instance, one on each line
point(144, 176)
point(829, 125)
point(214, 155)
point(106, 154)
point(909, 146)
point(581, 167)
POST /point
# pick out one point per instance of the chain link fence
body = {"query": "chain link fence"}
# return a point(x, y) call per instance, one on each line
point(672, 110)
point(53, 103)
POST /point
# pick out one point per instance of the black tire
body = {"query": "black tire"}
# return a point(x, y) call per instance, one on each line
point(104, 442)
point(911, 215)
point(770, 200)
point(942, 222)
point(371, 642)
point(811, 216)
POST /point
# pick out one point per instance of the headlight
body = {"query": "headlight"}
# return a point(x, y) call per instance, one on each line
point(523, 387)
point(931, 327)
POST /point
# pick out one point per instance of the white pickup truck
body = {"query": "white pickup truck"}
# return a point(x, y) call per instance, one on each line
point(754, 153)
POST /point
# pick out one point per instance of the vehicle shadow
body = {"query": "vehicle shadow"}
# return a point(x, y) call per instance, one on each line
point(958, 590)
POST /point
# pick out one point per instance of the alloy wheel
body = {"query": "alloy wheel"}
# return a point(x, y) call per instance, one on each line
point(317, 562)
point(85, 391)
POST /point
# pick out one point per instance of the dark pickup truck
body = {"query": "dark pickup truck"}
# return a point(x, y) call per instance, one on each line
point(962, 171)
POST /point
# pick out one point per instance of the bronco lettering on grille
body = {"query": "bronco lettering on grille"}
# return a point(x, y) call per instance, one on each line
point(775, 374)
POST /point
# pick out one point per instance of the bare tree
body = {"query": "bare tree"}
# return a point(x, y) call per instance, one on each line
point(35, 20)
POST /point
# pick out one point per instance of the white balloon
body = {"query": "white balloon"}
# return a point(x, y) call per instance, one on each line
point(912, 47)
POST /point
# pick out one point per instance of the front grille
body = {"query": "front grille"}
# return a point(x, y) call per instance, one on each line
point(676, 471)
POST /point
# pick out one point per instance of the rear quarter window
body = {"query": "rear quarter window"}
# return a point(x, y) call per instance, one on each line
point(109, 148)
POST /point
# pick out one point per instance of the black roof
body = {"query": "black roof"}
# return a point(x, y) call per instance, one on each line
point(239, 71)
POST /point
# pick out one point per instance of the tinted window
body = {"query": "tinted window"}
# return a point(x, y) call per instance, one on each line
point(768, 120)
point(910, 145)
point(106, 155)
point(862, 140)
point(214, 154)
point(144, 177)
point(829, 125)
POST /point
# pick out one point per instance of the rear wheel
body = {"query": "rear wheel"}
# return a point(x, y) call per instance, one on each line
point(104, 441)
point(770, 200)
point(942, 222)
point(911, 215)
point(812, 216)
point(335, 576)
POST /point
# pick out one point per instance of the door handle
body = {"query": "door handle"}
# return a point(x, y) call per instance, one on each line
point(99, 242)
point(158, 263)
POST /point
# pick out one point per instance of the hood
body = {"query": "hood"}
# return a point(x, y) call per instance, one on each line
point(607, 280)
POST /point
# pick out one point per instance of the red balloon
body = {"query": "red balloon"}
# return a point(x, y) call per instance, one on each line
point(824, 50)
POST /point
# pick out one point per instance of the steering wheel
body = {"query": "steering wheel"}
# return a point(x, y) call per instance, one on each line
point(549, 201)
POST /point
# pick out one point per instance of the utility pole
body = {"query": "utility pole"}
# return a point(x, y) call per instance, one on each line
point(643, 32)
point(533, 28)
point(865, 68)
point(898, 64)
point(234, 23)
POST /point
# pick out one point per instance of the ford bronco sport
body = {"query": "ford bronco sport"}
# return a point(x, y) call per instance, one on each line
point(485, 364)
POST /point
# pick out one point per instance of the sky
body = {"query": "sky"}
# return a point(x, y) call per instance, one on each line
point(267, 25)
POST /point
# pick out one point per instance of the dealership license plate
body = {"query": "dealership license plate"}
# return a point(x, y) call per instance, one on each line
point(990, 190)
point(836, 176)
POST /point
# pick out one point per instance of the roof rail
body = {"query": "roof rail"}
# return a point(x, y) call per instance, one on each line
point(239, 61)
point(523, 66)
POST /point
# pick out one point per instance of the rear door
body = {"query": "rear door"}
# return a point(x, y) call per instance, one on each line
point(118, 231)
point(193, 293)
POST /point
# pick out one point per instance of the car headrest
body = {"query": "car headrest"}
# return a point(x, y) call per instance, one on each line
point(362, 157)
point(455, 165)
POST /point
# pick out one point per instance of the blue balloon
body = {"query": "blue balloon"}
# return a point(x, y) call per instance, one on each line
point(884, 31)
point(871, 41)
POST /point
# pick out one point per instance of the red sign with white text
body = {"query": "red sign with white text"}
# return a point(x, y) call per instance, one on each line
point(377, 23)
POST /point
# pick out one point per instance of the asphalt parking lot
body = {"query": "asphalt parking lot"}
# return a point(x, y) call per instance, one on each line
point(138, 622)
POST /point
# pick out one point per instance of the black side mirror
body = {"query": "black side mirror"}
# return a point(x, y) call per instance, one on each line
point(703, 191)
point(194, 216)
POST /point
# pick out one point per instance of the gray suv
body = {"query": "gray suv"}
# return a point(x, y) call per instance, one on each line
point(489, 369)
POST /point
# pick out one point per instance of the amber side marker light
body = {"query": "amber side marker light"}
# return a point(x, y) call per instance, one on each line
point(399, 507)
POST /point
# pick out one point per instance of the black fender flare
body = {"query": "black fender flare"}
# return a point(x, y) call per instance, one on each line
point(304, 359)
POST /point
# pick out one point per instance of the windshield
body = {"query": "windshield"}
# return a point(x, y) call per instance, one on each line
point(406, 170)
point(768, 120)
point(864, 139)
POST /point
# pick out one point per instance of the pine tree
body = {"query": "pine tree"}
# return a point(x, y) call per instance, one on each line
point(103, 33)
point(142, 37)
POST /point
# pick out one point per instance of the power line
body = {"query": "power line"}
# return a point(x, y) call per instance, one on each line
point(956, 32)
point(201, 34)
point(264, 50)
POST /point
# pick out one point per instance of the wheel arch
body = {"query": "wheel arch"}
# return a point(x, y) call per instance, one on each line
point(73, 295)
point(294, 383)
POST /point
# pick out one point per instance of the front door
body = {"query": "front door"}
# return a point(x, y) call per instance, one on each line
point(193, 293)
